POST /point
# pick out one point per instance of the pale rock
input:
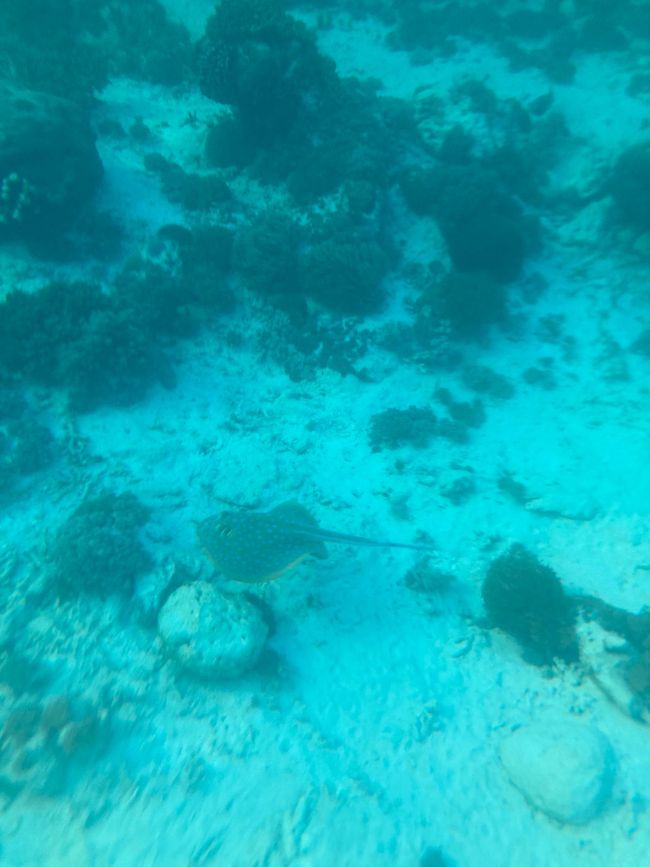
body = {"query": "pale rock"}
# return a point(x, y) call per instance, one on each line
point(564, 769)
point(209, 633)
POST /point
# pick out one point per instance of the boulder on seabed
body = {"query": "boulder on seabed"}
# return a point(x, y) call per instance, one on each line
point(563, 768)
point(211, 634)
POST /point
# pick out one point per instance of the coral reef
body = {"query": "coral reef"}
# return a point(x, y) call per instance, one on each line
point(484, 380)
point(266, 256)
point(345, 275)
point(27, 445)
point(304, 344)
point(525, 598)
point(336, 267)
point(293, 120)
point(75, 337)
point(97, 549)
point(72, 47)
point(393, 428)
point(195, 192)
point(107, 345)
point(425, 578)
point(49, 165)
point(459, 490)
point(480, 220)
point(629, 186)
point(467, 413)
point(265, 64)
point(469, 302)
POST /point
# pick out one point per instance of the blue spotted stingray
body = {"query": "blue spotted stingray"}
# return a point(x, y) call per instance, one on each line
point(254, 547)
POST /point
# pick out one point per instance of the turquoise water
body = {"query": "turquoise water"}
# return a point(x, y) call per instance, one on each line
point(386, 261)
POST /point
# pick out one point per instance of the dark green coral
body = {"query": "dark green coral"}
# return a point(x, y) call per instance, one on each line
point(98, 550)
point(100, 349)
point(392, 428)
point(525, 598)
point(346, 276)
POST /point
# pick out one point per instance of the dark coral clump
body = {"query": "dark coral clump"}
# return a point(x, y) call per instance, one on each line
point(113, 361)
point(469, 414)
point(195, 192)
point(56, 55)
point(305, 345)
point(629, 186)
point(293, 120)
point(487, 234)
point(460, 490)
point(27, 445)
point(393, 428)
point(98, 550)
point(480, 219)
point(49, 165)
point(483, 380)
point(433, 856)
point(45, 45)
point(342, 271)
point(227, 144)
point(493, 243)
point(176, 282)
point(525, 598)
point(264, 64)
point(107, 345)
point(425, 578)
point(36, 327)
point(265, 254)
point(73, 336)
point(206, 259)
point(470, 302)
point(345, 275)
point(73, 47)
